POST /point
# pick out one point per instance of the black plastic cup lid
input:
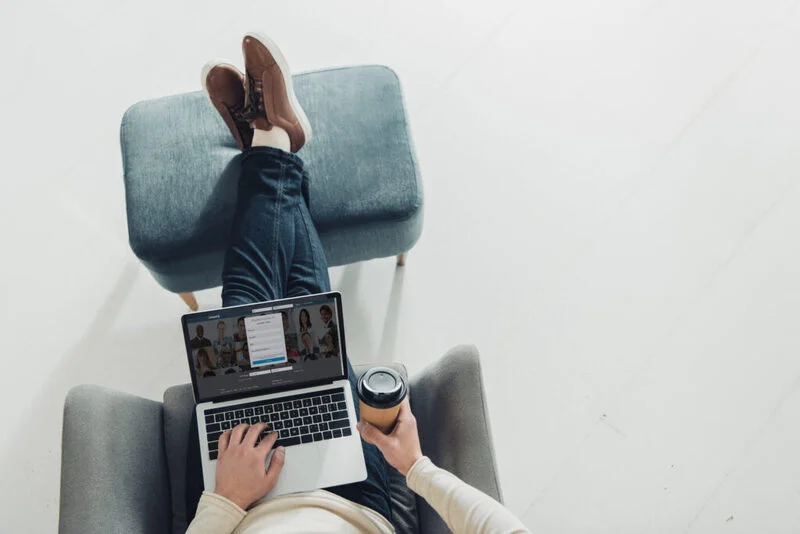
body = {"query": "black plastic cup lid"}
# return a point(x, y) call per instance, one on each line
point(381, 387)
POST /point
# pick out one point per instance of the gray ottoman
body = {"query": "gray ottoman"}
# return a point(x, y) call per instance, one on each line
point(180, 163)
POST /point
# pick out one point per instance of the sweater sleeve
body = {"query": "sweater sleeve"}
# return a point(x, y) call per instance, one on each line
point(215, 515)
point(463, 508)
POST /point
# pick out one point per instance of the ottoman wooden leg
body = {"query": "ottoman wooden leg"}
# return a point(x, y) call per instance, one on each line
point(189, 299)
point(401, 259)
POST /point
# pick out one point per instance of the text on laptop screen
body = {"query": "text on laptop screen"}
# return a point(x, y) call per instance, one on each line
point(250, 348)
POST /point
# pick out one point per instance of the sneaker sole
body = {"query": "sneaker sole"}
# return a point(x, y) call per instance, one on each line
point(287, 80)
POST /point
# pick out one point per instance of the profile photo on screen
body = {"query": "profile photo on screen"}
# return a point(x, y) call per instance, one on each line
point(328, 329)
point(199, 340)
point(242, 359)
point(305, 320)
point(222, 343)
point(309, 351)
point(329, 348)
point(203, 363)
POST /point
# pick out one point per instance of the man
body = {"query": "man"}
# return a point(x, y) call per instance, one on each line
point(223, 347)
point(309, 351)
point(327, 317)
point(275, 252)
point(328, 326)
point(199, 341)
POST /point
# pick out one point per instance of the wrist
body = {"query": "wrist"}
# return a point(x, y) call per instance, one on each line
point(413, 462)
point(233, 497)
point(418, 465)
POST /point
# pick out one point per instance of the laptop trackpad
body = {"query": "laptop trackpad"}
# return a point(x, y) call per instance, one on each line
point(301, 469)
point(320, 465)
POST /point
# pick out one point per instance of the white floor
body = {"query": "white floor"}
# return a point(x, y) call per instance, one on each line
point(612, 216)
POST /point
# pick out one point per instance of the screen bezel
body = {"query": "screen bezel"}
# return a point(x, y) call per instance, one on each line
point(185, 319)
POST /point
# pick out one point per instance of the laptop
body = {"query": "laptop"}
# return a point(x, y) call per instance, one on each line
point(283, 363)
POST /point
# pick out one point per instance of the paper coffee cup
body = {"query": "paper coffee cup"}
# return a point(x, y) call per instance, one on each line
point(381, 390)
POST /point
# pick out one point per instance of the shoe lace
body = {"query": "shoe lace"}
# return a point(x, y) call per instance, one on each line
point(253, 100)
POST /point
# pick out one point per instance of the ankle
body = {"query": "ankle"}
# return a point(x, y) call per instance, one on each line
point(277, 137)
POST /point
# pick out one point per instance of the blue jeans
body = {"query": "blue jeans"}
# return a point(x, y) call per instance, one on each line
point(275, 252)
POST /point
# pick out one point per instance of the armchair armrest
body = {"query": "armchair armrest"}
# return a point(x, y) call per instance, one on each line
point(113, 468)
point(449, 403)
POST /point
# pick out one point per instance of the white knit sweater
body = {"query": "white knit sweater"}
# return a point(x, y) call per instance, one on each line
point(462, 507)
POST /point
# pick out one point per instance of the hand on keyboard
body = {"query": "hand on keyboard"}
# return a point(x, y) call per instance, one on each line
point(400, 448)
point(241, 477)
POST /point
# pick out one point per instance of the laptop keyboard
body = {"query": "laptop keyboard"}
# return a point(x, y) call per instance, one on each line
point(298, 419)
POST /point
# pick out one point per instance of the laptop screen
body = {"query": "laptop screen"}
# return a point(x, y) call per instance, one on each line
point(265, 346)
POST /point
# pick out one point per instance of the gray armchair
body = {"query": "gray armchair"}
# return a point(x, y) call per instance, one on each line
point(124, 457)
